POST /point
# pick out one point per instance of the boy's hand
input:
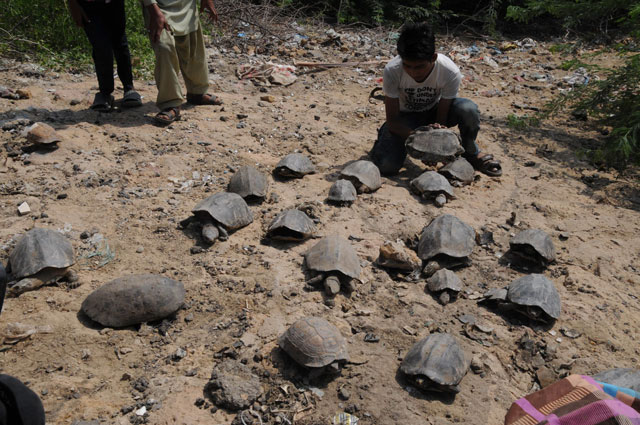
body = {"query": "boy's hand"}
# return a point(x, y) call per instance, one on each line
point(208, 6)
point(157, 23)
point(436, 125)
point(77, 14)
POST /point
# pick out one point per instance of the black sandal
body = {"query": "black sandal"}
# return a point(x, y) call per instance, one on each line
point(167, 116)
point(204, 99)
point(486, 164)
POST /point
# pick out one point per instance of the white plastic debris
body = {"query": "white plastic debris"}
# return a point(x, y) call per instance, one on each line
point(24, 209)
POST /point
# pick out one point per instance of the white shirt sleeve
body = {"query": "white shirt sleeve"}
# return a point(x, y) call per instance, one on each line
point(450, 89)
point(391, 83)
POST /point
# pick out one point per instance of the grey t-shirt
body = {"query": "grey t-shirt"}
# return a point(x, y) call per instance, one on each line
point(442, 83)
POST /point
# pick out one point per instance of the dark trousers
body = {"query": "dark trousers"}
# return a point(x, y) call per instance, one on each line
point(389, 153)
point(106, 33)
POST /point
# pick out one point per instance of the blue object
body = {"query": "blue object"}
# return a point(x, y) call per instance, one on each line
point(612, 390)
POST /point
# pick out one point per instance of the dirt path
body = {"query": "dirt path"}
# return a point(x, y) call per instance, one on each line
point(118, 176)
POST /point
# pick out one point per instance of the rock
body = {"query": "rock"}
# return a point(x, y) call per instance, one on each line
point(41, 134)
point(546, 376)
point(93, 422)
point(24, 209)
point(395, 255)
point(23, 93)
point(268, 98)
point(233, 386)
point(344, 394)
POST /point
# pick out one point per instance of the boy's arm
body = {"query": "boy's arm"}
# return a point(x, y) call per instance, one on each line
point(395, 125)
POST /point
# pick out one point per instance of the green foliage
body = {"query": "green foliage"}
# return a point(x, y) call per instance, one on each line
point(613, 102)
point(522, 122)
point(42, 30)
point(578, 15)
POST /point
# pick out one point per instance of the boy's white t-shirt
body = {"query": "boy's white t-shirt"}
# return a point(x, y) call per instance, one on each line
point(442, 83)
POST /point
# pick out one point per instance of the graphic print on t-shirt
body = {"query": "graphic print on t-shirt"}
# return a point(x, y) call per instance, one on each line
point(419, 98)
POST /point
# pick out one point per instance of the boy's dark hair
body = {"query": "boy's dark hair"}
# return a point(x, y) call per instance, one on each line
point(416, 42)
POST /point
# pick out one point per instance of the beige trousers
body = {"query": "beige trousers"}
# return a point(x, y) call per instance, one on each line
point(180, 53)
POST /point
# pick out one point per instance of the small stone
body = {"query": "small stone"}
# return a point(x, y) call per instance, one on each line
point(196, 250)
point(563, 236)
point(125, 350)
point(396, 255)
point(140, 249)
point(179, 354)
point(545, 376)
point(141, 411)
point(24, 209)
point(344, 394)
point(371, 338)
point(86, 354)
point(268, 98)
point(74, 102)
point(44, 391)
point(233, 386)
point(477, 366)
point(62, 196)
point(188, 318)
point(126, 409)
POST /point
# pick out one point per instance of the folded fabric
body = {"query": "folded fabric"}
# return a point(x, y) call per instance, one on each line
point(577, 400)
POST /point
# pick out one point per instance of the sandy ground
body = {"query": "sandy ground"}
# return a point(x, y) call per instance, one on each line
point(119, 176)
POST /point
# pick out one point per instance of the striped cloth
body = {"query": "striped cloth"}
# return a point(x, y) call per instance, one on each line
point(577, 400)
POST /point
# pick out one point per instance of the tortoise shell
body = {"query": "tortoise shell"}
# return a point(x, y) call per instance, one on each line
point(294, 165)
point(249, 183)
point(291, 225)
point(430, 184)
point(535, 290)
point(459, 170)
point(134, 299)
point(39, 249)
point(436, 362)
point(342, 191)
point(314, 342)
point(434, 145)
point(333, 253)
point(364, 175)
point(227, 209)
point(446, 235)
point(534, 244)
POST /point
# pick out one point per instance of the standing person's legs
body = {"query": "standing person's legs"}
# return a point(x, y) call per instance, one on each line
point(389, 152)
point(166, 72)
point(97, 31)
point(193, 62)
point(119, 42)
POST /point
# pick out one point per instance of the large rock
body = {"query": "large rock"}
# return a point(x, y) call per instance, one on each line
point(134, 299)
point(233, 386)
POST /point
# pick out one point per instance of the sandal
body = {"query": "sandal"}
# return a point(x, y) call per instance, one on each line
point(486, 164)
point(167, 116)
point(131, 99)
point(102, 102)
point(204, 99)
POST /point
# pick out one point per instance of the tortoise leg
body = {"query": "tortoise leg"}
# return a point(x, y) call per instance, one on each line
point(223, 233)
point(24, 285)
point(71, 277)
point(444, 298)
point(332, 285)
point(316, 280)
point(350, 286)
point(440, 200)
point(210, 232)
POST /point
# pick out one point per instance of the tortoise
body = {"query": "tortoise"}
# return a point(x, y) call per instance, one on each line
point(3, 285)
point(432, 185)
point(294, 165)
point(434, 145)
point(364, 175)
point(315, 343)
point(620, 377)
point(447, 283)
point(41, 135)
point(436, 363)
point(41, 257)
point(291, 225)
point(335, 261)
point(459, 172)
point(533, 246)
point(219, 213)
point(249, 183)
point(532, 295)
point(134, 299)
point(446, 242)
point(342, 192)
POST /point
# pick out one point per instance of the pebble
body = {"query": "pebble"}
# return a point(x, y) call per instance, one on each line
point(140, 249)
point(179, 354)
point(344, 394)
point(24, 209)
